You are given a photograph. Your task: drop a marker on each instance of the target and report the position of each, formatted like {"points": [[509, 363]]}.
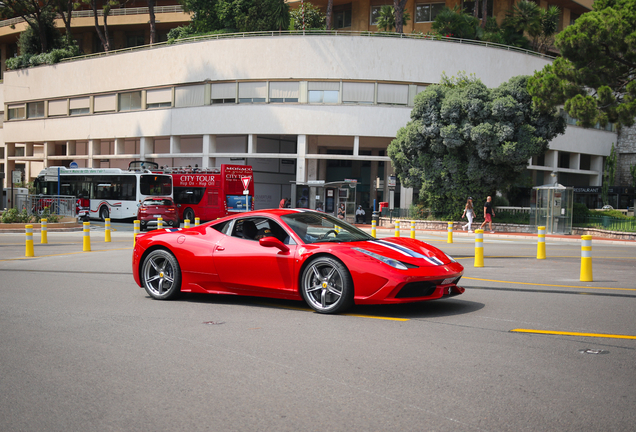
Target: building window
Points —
{"points": [[189, 96], [17, 112], [79, 106], [323, 92], [393, 94], [585, 162], [105, 103], [35, 109], [469, 7], [159, 98], [426, 12], [130, 101], [283, 91], [252, 92], [58, 107], [356, 92], [223, 93], [375, 14], [564, 160], [133, 40], [342, 16]]}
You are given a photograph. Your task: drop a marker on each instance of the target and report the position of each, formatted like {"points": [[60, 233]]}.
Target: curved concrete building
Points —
{"points": [[304, 111]]}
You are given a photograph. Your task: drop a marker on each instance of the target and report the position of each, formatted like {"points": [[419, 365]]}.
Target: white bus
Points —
{"points": [[113, 193]]}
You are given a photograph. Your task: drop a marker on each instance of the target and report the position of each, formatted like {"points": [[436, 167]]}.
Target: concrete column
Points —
{"points": [[94, 147], [373, 175], [175, 144], [71, 148], [146, 145], [301, 159], [120, 146], [356, 145], [209, 148], [251, 143], [49, 150]]}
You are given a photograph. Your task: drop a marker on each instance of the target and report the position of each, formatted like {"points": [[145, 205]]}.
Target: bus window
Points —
{"points": [[155, 185], [189, 195]]}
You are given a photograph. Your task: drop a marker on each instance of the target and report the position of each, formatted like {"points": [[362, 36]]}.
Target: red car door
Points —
{"points": [[244, 265]]}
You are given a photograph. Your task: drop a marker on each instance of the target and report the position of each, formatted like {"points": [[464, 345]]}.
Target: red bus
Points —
{"points": [[208, 193]]}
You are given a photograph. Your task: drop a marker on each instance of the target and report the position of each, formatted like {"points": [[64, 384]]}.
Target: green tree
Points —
{"points": [[236, 15], [595, 77], [609, 175], [314, 18], [387, 18], [632, 171], [465, 139], [456, 23], [540, 24], [29, 41], [35, 13]]}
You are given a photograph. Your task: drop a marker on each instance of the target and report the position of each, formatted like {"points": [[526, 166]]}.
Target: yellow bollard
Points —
{"points": [[541, 243], [373, 226], [397, 228], [135, 231], [197, 221], [336, 228], [586, 258], [87, 237], [107, 230], [186, 223], [44, 238], [412, 229], [479, 248], [159, 223], [450, 233], [29, 241]]}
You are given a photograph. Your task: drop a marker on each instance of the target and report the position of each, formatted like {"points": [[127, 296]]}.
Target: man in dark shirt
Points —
{"points": [[489, 213]]}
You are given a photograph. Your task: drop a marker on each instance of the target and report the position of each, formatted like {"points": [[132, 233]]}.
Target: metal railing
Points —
{"points": [[606, 223], [113, 12], [345, 33], [61, 205]]}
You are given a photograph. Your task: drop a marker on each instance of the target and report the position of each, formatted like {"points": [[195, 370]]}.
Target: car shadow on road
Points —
{"points": [[425, 309]]}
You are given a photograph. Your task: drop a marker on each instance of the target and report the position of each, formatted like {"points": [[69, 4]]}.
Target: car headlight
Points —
{"points": [[389, 261]]}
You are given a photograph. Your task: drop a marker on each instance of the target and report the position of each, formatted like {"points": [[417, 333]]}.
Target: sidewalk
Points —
{"points": [[386, 231]]}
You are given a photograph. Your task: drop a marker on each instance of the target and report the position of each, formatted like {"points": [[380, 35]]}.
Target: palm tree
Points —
{"points": [[329, 13], [386, 18], [281, 14]]}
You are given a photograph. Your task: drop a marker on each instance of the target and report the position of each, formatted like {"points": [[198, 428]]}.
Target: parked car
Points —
{"points": [[293, 254], [157, 207]]}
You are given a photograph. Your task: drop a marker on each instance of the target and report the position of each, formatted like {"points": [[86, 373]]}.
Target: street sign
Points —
{"points": [[73, 165], [246, 182], [16, 176]]}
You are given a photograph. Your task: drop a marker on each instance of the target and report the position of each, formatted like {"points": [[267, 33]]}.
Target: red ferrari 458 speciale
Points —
{"points": [[293, 254]]}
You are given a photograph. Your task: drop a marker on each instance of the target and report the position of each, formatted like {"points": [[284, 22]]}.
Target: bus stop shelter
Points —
{"points": [[326, 196]]}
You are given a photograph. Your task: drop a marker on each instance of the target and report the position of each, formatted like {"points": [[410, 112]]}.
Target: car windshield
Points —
{"points": [[313, 227], [165, 202]]}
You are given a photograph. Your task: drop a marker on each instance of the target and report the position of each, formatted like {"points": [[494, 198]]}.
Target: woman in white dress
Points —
{"points": [[469, 213]]}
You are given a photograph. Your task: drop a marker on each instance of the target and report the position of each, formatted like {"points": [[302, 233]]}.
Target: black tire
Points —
{"points": [[161, 275], [326, 285], [104, 213], [189, 214]]}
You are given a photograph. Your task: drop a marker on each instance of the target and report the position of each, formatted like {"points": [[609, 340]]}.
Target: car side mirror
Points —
{"points": [[273, 242]]}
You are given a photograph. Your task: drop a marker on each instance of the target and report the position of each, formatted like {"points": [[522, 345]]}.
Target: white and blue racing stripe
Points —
{"points": [[408, 252]]}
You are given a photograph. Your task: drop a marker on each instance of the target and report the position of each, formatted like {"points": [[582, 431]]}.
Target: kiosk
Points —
{"points": [[552, 206]]}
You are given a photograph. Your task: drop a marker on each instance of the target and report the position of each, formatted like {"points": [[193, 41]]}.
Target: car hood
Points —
{"points": [[406, 250]]}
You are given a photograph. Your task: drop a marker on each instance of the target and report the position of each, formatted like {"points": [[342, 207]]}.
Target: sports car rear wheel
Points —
{"points": [[326, 285], [161, 275]]}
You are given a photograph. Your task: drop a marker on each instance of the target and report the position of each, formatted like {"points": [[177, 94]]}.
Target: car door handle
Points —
{"points": [[220, 248]]}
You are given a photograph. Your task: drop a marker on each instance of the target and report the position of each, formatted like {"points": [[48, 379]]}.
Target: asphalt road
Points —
{"points": [[82, 348]]}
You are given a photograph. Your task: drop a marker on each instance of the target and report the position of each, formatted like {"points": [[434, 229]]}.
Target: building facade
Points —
{"points": [[311, 114]]}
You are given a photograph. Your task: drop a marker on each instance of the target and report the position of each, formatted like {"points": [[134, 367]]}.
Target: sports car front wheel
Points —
{"points": [[161, 275], [326, 285]]}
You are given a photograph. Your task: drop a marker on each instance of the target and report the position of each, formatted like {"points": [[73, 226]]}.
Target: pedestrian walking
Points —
{"points": [[469, 212], [489, 213]]}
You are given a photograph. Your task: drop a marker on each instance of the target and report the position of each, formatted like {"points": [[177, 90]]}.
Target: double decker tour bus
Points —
{"points": [[113, 193], [208, 193]]}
